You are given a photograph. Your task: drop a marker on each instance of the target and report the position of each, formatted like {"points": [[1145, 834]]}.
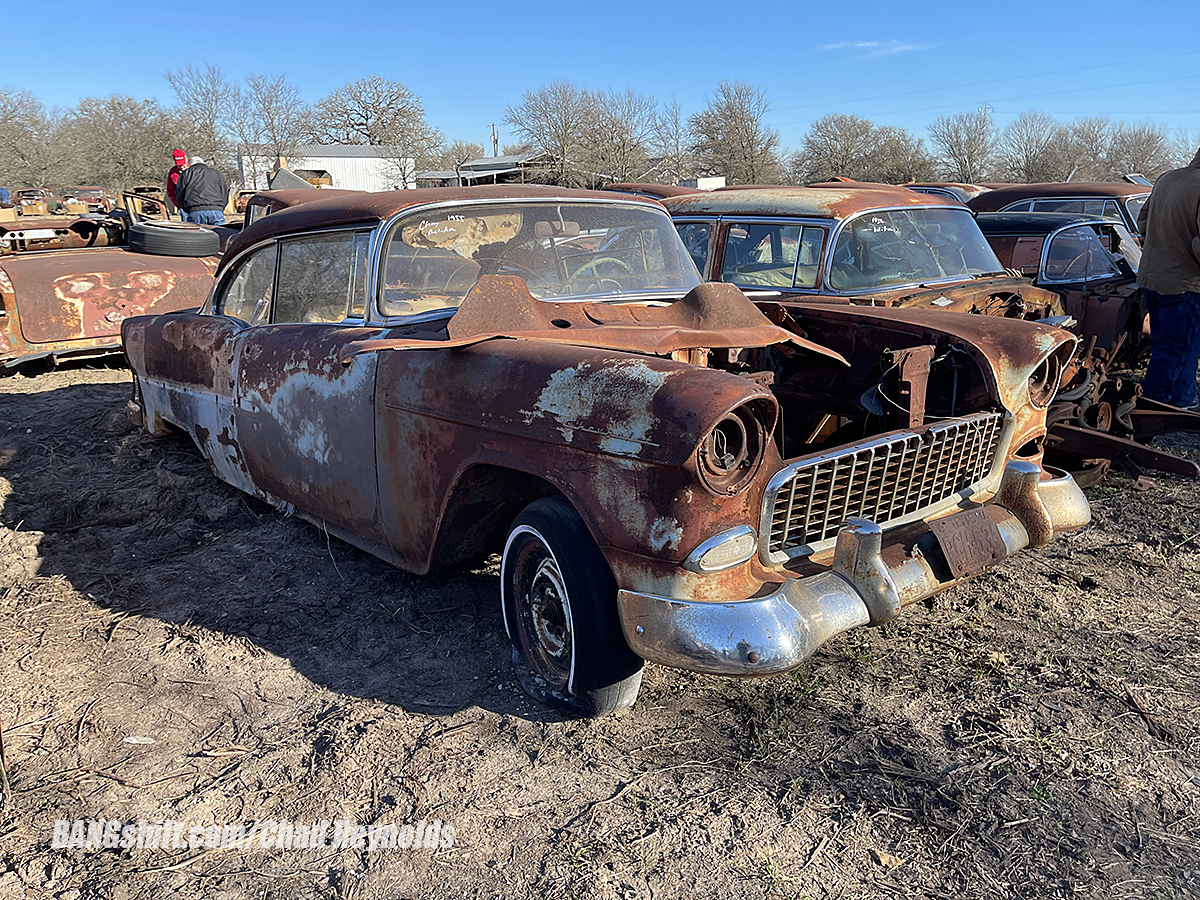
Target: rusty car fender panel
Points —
{"points": [[619, 429]]}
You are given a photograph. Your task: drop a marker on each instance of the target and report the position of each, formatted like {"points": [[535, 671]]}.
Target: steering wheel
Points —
{"points": [[1067, 273], [589, 268]]}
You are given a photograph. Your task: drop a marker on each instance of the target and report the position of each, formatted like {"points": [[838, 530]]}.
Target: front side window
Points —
{"points": [[247, 295], [887, 248], [1078, 254], [576, 251], [316, 277]]}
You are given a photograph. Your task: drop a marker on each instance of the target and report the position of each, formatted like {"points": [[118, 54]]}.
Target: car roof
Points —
{"points": [[354, 207], [1035, 222], [1010, 193], [838, 201], [655, 190]]}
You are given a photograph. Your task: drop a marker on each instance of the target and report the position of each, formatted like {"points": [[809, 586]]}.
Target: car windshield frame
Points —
{"points": [[1133, 208], [387, 311], [1115, 271], [846, 226]]}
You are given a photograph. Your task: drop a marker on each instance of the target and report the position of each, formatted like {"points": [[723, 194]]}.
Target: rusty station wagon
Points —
{"points": [[667, 472]]}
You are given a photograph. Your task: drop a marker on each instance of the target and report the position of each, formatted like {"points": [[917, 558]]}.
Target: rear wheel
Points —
{"points": [[559, 601]]}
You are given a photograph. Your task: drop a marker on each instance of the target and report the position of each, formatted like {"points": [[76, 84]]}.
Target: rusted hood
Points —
{"points": [[984, 295], [710, 315]]}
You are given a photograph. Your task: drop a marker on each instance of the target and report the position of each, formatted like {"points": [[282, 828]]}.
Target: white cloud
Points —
{"points": [[877, 48]]}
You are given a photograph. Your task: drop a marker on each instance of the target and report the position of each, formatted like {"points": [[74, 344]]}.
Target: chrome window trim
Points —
{"points": [[1043, 279], [376, 316], [858, 292]]}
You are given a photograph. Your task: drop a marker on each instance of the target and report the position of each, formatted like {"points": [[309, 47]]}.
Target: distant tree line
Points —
{"points": [[579, 137]]}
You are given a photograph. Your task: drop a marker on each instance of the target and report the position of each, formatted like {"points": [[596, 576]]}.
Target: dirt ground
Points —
{"points": [[172, 650]]}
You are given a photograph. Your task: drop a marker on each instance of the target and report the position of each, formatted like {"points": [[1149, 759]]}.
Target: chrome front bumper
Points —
{"points": [[777, 632]]}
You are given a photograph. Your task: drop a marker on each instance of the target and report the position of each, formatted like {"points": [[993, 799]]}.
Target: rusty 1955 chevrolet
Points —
{"points": [[667, 473]]}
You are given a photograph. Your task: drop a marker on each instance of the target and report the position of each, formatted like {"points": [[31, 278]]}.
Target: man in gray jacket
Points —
{"points": [[1169, 275], [202, 193]]}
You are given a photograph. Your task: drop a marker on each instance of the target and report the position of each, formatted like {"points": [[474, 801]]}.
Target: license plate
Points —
{"points": [[970, 540]]}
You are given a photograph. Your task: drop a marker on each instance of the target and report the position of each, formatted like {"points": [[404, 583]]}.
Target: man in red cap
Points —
{"points": [[181, 163]]}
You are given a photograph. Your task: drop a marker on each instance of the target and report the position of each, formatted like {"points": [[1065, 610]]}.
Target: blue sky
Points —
{"points": [[894, 63]]}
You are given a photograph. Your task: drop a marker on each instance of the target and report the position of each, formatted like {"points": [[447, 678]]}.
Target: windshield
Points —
{"points": [[1134, 204], [561, 250], [1081, 253], [909, 246]]}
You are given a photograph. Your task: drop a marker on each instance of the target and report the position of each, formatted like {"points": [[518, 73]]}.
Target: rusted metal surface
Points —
{"points": [[1002, 195], [59, 303], [711, 315], [838, 201], [649, 190], [31, 233], [662, 424]]}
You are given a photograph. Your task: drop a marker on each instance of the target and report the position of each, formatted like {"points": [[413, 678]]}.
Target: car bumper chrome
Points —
{"points": [[778, 631]]}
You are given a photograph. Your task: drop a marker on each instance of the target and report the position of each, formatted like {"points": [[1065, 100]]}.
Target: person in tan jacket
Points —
{"points": [[1169, 275]]}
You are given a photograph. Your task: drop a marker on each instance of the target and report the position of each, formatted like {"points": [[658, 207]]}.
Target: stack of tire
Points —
{"points": [[173, 239]]}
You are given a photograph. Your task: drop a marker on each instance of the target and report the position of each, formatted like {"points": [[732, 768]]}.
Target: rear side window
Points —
{"points": [[768, 255], [247, 296], [316, 278]]}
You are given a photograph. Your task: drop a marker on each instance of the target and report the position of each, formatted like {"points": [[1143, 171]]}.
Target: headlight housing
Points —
{"points": [[731, 453]]}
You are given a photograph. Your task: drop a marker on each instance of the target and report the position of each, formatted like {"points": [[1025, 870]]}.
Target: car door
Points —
{"points": [[306, 421]]}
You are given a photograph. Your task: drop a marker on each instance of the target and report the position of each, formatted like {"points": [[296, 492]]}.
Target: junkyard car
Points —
{"points": [[1091, 262], [876, 245], [58, 303], [668, 472], [1116, 200]]}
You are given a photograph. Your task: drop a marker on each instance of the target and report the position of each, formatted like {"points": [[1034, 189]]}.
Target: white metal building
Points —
{"points": [[349, 166]]}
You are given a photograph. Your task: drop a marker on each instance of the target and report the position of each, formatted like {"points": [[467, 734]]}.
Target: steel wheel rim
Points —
{"points": [[543, 614]]}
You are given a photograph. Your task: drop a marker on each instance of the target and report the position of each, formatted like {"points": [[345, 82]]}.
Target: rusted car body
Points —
{"points": [[808, 231], [31, 233], [1115, 200], [652, 191], [71, 303], [1091, 262], [668, 471], [955, 190]]}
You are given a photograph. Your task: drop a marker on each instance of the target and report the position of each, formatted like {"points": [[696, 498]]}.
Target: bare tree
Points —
{"points": [[1184, 146], [279, 114], [118, 141], [1138, 148], [900, 157], [30, 153], [556, 120], [205, 95], [730, 138], [857, 148], [621, 129], [967, 144], [835, 145], [379, 112], [1088, 148], [671, 143], [456, 153], [1032, 149]]}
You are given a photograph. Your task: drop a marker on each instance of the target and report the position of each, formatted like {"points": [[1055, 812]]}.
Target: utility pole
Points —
{"points": [[495, 141]]}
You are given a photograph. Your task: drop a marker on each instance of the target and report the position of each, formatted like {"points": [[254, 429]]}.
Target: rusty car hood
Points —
{"points": [[499, 306], [978, 295]]}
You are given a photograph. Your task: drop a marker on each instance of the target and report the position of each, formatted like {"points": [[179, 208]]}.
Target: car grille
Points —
{"points": [[886, 480]]}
